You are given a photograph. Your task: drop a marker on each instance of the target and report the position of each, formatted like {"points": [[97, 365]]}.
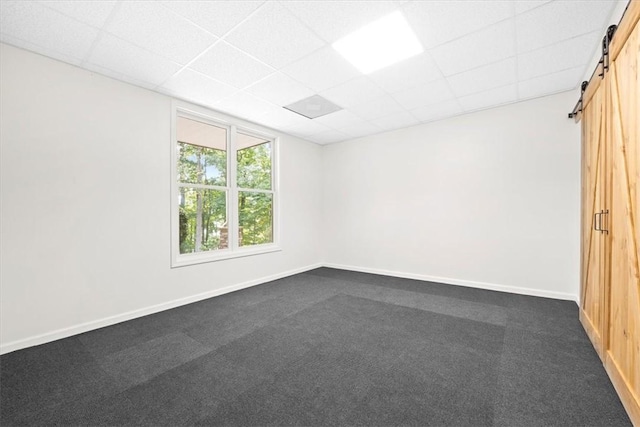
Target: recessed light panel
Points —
{"points": [[313, 106], [380, 44]]}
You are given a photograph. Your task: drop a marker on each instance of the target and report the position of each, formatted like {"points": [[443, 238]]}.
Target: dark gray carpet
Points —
{"points": [[327, 347]]}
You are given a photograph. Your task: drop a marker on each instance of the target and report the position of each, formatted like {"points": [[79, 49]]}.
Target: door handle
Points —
{"points": [[605, 212], [595, 221]]}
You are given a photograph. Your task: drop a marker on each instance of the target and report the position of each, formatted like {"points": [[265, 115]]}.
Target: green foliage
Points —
{"points": [[256, 217], [255, 210], [203, 212], [213, 216], [254, 167], [184, 230], [201, 165]]}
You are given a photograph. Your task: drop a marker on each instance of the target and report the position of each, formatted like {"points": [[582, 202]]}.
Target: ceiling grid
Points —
{"points": [[251, 58]]}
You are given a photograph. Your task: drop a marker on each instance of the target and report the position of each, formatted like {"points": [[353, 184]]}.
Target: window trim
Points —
{"points": [[193, 112]]}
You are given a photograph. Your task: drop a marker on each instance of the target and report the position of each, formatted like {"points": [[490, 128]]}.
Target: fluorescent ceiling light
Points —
{"points": [[380, 43]]}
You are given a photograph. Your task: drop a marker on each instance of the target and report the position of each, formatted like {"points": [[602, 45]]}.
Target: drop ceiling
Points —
{"points": [[250, 58]]}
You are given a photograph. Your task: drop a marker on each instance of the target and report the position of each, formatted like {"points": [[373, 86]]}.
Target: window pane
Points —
{"points": [[256, 218], [203, 220], [202, 153], [254, 162]]}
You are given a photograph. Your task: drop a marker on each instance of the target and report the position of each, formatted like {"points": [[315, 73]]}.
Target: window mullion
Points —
{"points": [[233, 190], [255, 190], [175, 191], [275, 202], [203, 186]]}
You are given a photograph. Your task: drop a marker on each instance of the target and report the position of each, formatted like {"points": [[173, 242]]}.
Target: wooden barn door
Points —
{"points": [[623, 346], [593, 289]]}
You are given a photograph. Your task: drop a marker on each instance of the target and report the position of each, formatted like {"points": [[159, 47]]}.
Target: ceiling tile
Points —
{"points": [[437, 111], [119, 76], [305, 130], [47, 29], [339, 119], [157, 29], [244, 105], [322, 69], [489, 98], [401, 119], [280, 89], [4, 38], [280, 118], [522, 6], [333, 20], [229, 65], [550, 83], [484, 78], [196, 87], [560, 56], [217, 17], [427, 94], [104, 71], [359, 129], [378, 107], [484, 47], [353, 92], [274, 36], [130, 60], [277, 52], [411, 72], [559, 20], [94, 13], [437, 22], [329, 137]]}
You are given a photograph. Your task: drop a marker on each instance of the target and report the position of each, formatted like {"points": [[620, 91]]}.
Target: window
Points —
{"points": [[224, 195]]}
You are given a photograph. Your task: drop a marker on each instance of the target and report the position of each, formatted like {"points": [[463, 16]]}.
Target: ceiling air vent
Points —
{"points": [[313, 107]]}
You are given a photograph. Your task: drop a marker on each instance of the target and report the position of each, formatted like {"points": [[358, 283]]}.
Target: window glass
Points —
{"points": [[202, 153], [254, 162], [256, 218], [202, 220]]}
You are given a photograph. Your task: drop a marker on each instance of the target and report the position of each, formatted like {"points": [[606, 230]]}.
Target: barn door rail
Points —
{"points": [[578, 108], [604, 61]]}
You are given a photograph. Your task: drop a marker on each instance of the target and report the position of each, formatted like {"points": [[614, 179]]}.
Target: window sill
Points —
{"points": [[200, 258]]}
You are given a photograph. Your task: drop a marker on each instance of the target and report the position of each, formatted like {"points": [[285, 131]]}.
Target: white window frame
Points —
{"points": [[234, 250]]}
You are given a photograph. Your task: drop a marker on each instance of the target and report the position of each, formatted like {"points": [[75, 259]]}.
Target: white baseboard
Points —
{"points": [[112, 320], [459, 282]]}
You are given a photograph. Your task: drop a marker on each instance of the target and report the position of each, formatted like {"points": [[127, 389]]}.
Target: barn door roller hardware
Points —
{"points": [[604, 60], [606, 41], [578, 108]]}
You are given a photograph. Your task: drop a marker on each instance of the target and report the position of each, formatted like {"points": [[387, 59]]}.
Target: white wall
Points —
{"points": [[85, 216], [488, 199]]}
